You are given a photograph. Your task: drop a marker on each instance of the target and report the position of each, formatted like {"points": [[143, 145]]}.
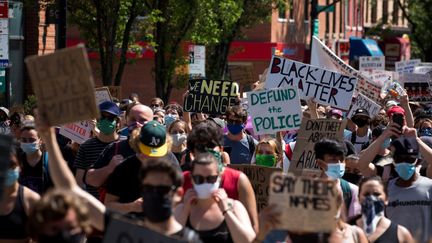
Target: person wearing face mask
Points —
{"points": [[424, 127], [15, 205], [207, 209], [177, 131], [268, 153], [89, 151], [330, 157], [242, 145], [362, 134], [115, 153], [160, 189], [410, 194], [34, 162], [379, 229], [173, 112]]}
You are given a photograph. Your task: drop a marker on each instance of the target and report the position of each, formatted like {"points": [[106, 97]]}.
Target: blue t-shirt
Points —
{"points": [[240, 152]]}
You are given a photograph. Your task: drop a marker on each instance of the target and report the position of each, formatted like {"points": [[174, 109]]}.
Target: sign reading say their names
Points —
{"points": [[275, 110], [364, 102], [327, 87], [311, 131], [211, 96], [306, 204], [370, 63], [121, 230], [78, 131], [63, 84], [259, 177]]}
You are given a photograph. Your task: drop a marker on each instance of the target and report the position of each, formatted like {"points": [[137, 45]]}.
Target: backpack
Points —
{"points": [[346, 192], [251, 144]]}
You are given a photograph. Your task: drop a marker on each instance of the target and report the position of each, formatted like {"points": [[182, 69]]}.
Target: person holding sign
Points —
{"points": [[330, 157], [207, 209]]}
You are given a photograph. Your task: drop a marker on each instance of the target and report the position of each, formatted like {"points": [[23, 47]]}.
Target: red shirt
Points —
{"points": [[229, 182]]}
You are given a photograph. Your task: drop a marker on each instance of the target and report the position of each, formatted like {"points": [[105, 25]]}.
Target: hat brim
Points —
{"points": [[360, 115], [153, 151]]}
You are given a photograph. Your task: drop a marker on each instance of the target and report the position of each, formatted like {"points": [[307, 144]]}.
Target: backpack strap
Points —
{"points": [[251, 144], [346, 192], [353, 137]]}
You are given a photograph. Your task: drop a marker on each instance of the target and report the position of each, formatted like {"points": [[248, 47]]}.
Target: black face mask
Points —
{"points": [[353, 178], [156, 206], [62, 237]]}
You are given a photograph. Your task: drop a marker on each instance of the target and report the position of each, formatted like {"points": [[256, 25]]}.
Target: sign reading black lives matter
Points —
{"points": [[123, 231], [259, 177], [275, 110], [311, 131], [210, 96], [327, 87], [306, 204], [63, 84]]}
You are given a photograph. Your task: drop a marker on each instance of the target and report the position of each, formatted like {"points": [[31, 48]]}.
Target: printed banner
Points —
{"points": [[274, 110], [210, 96], [311, 131], [323, 57], [78, 131], [259, 177], [418, 86], [306, 204], [406, 66], [63, 84], [327, 87], [363, 102], [370, 63]]}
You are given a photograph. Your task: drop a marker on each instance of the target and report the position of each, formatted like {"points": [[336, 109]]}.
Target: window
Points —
{"points": [[374, 11], [395, 19], [367, 11], [282, 7]]}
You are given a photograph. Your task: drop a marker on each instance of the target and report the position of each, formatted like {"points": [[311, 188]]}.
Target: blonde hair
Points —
{"points": [[274, 144]]}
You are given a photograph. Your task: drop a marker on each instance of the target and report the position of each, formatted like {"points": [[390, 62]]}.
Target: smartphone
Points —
{"points": [[398, 118]]}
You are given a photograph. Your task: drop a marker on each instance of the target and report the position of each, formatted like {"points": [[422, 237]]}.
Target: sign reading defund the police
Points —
{"points": [[305, 204], [210, 96], [327, 87], [275, 110], [311, 131]]}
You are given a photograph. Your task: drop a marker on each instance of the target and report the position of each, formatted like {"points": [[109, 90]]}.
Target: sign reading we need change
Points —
{"points": [[327, 87], [210, 96], [306, 204], [275, 110], [311, 131]]}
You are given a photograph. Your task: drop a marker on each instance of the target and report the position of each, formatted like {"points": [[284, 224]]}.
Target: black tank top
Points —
{"points": [[390, 235], [13, 225], [217, 235]]}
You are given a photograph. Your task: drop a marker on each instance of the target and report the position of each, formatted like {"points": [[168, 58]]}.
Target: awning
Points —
{"points": [[363, 47]]}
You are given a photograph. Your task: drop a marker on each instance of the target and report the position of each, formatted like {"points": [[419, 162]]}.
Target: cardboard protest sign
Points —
{"points": [[364, 102], [423, 68], [78, 131], [322, 56], [406, 66], [102, 94], [121, 230], [311, 131], [380, 77], [275, 110], [327, 87], [259, 177], [418, 86], [306, 204], [210, 96], [370, 63], [63, 85], [5, 153]]}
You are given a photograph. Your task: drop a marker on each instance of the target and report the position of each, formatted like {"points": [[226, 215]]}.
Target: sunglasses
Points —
{"points": [[28, 140], [202, 179], [157, 189]]}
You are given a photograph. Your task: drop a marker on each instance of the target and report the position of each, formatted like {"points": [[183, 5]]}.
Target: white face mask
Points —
{"points": [[205, 190], [178, 139]]}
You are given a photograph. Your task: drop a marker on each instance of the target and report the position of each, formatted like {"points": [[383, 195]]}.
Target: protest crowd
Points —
{"points": [[311, 154]]}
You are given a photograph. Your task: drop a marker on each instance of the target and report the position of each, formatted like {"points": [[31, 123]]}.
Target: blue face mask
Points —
{"points": [[405, 170], [235, 129], [425, 132], [386, 143], [29, 148], [12, 176], [335, 170], [169, 119]]}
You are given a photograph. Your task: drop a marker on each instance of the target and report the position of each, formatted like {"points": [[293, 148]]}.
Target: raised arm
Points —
{"points": [[404, 102]]}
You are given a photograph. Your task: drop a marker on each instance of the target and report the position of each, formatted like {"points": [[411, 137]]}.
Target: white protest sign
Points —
{"points": [[78, 131], [417, 86], [275, 110], [406, 66], [102, 94], [306, 204], [322, 56], [423, 68], [197, 61], [327, 87], [380, 77], [364, 102], [370, 63]]}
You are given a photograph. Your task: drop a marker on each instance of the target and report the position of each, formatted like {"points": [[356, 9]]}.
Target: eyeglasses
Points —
{"points": [[28, 140], [198, 179], [157, 189]]}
